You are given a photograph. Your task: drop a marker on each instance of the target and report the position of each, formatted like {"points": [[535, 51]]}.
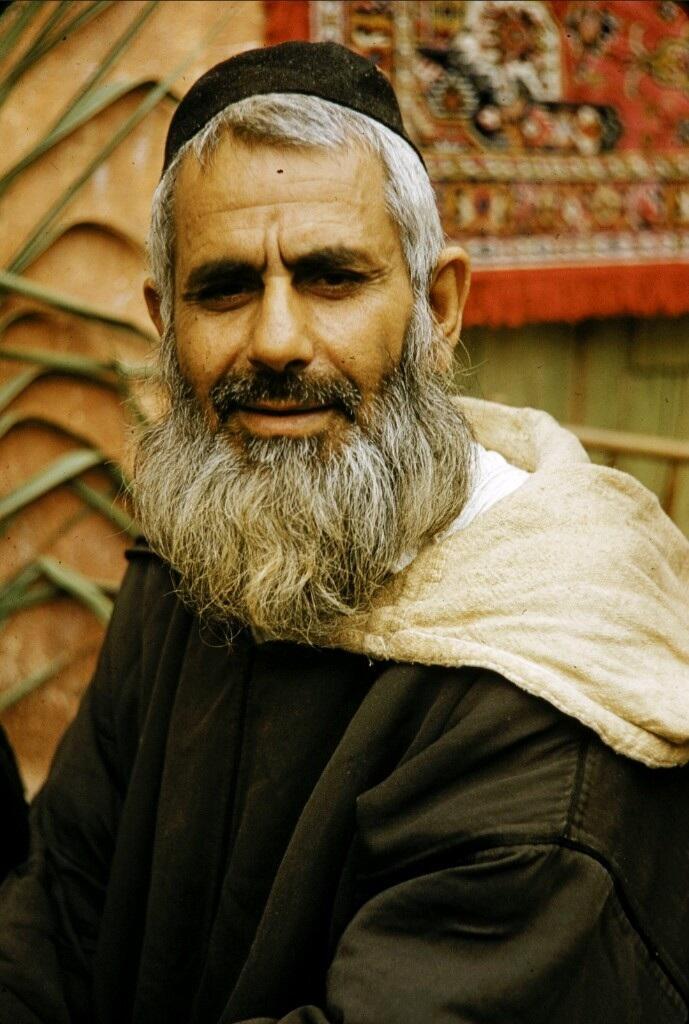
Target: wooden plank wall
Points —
{"points": [[620, 374]]}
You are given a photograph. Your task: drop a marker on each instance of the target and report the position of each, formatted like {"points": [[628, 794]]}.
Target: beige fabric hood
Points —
{"points": [[575, 587]]}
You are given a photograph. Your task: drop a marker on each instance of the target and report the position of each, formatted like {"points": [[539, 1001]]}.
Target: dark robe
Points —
{"points": [[277, 832], [14, 817]]}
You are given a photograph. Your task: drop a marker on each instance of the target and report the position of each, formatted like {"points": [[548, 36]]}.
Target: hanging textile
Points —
{"points": [[556, 135]]}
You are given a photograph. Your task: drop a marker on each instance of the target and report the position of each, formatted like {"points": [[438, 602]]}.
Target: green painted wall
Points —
{"points": [[621, 374]]}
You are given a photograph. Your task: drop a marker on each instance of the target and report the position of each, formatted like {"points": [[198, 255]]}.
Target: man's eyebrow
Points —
{"points": [[214, 271], [334, 257], [327, 258]]}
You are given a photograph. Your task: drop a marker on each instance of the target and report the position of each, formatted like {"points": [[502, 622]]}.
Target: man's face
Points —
{"points": [[319, 445], [287, 262]]}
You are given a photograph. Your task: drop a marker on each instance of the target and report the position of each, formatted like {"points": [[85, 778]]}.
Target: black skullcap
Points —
{"points": [[327, 70]]}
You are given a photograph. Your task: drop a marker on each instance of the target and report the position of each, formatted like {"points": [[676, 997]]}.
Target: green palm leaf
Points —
{"points": [[89, 100], [64, 362], [52, 32], [78, 586], [33, 681], [112, 374], [16, 316], [19, 419], [110, 58], [22, 593], [31, 598], [91, 105], [106, 506], [97, 370], [43, 34], [13, 592], [44, 232], [14, 387], [58, 300], [62, 469], [23, 16]]}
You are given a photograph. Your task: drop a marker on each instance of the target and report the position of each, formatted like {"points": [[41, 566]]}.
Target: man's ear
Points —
{"points": [[448, 292], [153, 302]]}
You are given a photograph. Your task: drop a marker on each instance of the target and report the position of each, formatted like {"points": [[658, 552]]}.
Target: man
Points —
{"points": [[390, 719]]}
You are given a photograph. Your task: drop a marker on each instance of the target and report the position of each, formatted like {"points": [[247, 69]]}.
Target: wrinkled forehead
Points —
{"points": [[246, 187]]}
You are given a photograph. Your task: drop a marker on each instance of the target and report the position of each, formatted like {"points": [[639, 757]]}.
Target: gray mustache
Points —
{"points": [[234, 391]]}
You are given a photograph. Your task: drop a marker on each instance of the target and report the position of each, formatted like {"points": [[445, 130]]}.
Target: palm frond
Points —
{"points": [[78, 586], [13, 592], [12, 282], [44, 232], [22, 592], [88, 101], [96, 370], [106, 506], [15, 316], [93, 104], [58, 472], [31, 598], [33, 681], [22, 419], [108, 60], [53, 31], [19, 20], [14, 387]]}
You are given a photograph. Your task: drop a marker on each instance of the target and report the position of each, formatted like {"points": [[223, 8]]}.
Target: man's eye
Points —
{"points": [[336, 280], [222, 293], [225, 294]]}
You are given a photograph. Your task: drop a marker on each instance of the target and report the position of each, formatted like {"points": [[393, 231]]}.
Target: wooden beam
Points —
{"points": [[627, 443]]}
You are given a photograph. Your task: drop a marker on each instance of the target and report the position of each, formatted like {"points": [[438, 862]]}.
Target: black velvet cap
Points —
{"points": [[327, 70]]}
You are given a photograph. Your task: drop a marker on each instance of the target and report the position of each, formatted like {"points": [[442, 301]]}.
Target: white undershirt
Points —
{"points": [[494, 479]]}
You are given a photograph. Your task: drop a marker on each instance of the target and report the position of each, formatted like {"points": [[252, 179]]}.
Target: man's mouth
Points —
{"points": [[271, 405], [283, 419], [279, 409]]}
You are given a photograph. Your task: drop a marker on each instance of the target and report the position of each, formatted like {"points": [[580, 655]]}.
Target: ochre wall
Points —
{"points": [[99, 259]]}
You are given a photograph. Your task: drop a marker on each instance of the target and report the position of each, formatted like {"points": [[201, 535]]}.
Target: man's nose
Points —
{"points": [[280, 338]]}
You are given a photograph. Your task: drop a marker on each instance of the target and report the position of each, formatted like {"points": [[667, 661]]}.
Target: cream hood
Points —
{"points": [[575, 587]]}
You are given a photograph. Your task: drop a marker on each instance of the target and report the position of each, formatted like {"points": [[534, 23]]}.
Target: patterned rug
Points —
{"points": [[556, 134]]}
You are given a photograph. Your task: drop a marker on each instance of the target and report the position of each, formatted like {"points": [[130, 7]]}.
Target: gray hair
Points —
{"points": [[308, 121]]}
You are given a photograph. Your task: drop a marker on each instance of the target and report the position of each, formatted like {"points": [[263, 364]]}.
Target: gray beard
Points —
{"points": [[290, 535]]}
